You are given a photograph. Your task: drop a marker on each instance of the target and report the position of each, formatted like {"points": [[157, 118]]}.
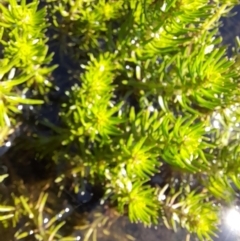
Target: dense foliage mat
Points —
{"points": [[131, 103]]}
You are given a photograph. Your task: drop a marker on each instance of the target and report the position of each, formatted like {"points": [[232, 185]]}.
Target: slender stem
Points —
{"points": [[214, 18]]}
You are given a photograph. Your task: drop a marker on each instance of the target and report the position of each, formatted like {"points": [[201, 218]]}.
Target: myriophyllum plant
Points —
{"points": [[153, 117], [24, 59]]}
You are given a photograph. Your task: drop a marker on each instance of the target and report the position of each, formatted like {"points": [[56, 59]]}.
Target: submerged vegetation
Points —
{"points": [[129, 105]]}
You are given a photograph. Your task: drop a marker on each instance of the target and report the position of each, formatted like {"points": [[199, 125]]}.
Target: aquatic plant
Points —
{"points": [[150, 110]]}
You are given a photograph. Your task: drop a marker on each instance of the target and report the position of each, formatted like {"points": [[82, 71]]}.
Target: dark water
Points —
{"points": [[231, 27]]}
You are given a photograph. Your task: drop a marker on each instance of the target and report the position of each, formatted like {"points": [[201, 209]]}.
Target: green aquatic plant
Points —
{"points": [[24, 41], [150, 114], [23, 60]]}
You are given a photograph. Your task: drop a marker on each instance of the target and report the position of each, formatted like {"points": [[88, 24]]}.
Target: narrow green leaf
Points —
{"points": [[26, 206], [55, 230], [8, 216], [6, 208], [2, 177]]}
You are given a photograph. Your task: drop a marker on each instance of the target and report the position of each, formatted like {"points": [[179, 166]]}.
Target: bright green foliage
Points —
{"points": [[10, 100], [24, 41], [155, 79], [91, 110], [157, 97], [192, 211], [24, 59], [167, 58]]}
